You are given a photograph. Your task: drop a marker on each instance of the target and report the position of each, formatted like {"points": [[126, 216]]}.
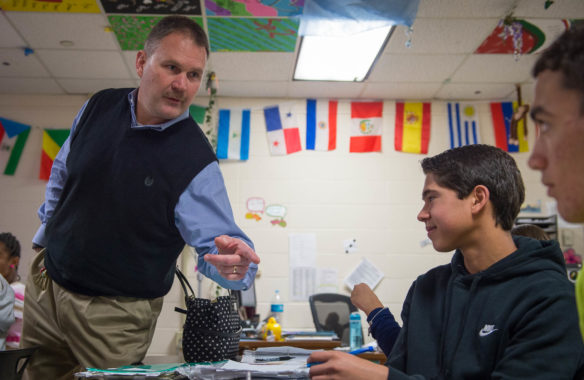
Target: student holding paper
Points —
{"points": [[503, 308]]}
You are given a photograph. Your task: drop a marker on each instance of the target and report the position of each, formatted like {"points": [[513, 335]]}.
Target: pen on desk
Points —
{"points": [[273, 359], [354, 352]]}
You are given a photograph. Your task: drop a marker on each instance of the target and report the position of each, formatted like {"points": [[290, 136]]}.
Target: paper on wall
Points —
{"points": [[327, 280], [302, 251], [365, 272]]}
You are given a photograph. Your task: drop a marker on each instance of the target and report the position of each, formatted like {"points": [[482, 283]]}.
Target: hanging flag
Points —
{"points": [[13, 136], [412, 127], [321, 124], [463, 124], [283, 131], [53, 140], [198, 113], [233, 134], [366, 127], [502, 114]]}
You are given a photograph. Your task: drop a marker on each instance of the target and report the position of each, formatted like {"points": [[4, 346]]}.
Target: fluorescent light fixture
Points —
{"points": [[346, 58]]}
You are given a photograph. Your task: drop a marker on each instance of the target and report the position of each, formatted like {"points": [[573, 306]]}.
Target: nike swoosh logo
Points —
{"points": [[486, 332]]}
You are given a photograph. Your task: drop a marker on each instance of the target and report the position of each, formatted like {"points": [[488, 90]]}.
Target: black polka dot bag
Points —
{"points": [[212, 327]]}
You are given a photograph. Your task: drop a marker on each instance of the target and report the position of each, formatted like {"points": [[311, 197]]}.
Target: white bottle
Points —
{"points": [[277, 307]]}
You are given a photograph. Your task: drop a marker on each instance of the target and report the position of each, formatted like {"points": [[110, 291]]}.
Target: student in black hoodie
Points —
{"points": [[503, 308]]}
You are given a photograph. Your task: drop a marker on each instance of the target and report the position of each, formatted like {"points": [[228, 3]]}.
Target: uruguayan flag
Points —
{"points": [[463, 123]]}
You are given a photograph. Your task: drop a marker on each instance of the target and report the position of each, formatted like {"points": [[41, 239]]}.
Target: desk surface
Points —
{"points": [[309, 344]]}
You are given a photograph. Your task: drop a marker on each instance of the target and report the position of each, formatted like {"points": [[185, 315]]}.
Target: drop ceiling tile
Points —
{"points": [[14, 63], [442, 36], [495, 68], [10, 37], [465, 8], [314, 89], [29, 86], [401, 91], [84, 64], [569, 9], [86, 31], [90, 86], [251, 89], [252, 66], [475, 91], [415, 68]]}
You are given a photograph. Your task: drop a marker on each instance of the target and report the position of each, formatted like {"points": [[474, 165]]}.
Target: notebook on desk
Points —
{"points": [[310, 335]]}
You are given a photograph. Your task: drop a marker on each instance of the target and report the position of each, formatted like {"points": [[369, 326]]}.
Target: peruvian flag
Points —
{"points": [[366, 127]]}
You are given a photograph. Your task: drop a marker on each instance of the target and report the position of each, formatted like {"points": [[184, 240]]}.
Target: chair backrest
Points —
{"points": [[13, 362], [331, 312]]}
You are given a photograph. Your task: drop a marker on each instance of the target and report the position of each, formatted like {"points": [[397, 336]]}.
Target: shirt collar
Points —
{"points": [[157, 127]]}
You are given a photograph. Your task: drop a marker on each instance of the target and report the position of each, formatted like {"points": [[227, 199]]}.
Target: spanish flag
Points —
{"points": [[53, 140], [412, 127]]}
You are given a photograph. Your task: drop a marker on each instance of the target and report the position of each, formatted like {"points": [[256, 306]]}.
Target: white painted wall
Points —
{"points": [[373, 197]]}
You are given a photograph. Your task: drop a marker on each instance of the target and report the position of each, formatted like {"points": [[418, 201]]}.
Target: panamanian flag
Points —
{"points": [[283, 130], [233, 134], [13, 137]]}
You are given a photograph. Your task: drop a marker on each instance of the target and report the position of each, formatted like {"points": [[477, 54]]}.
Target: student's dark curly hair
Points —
{"points": [[462, 169], [11, 243], [566, 55]]}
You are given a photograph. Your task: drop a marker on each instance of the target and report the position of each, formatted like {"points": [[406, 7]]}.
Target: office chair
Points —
{"points": [[330, 312], [13, 362]]}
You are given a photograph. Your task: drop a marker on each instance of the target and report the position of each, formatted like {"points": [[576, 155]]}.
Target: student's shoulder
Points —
{"points": [[435, 275]]}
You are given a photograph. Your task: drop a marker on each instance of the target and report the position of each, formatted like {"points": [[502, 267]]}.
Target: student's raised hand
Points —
{"points": [[364, 299], [233, 258], [341, 365]]}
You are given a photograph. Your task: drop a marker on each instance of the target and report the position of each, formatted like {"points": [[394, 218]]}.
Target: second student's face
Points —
{"points": [[448, 219], [559, 149]]}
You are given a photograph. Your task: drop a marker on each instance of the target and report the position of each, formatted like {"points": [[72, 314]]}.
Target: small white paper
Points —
{"points": [[366, 273], [302, 250], [327, 280]]}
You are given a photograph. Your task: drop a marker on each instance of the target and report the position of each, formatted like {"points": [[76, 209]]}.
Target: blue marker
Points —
{"points": [[354, 352]]}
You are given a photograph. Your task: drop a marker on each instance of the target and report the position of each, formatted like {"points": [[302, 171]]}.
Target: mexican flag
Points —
{"points": [[13, 136]]}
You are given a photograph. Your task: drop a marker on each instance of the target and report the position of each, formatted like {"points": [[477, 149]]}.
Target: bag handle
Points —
{"points": [[184, 283]]}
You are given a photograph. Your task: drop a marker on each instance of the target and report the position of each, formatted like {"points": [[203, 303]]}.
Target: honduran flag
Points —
{"points": [[412, 127], [53, 140], [233, 134], [282, 128], [321, 124], [366, 127], [502, 114], [13, 137], [463, 124]]}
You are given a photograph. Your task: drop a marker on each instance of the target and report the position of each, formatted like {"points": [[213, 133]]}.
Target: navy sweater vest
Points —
{"points": [[113, 231]]}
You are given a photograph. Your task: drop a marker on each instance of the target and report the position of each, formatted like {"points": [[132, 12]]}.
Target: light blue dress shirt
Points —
{"points": [[202, 212]]}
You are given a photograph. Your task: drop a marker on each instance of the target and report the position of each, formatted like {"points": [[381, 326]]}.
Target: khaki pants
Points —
{"points": [[75, 331]]}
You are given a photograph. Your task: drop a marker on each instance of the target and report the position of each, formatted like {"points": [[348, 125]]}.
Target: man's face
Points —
{"points": [[448, 219], [170, 78], [559, 149]]}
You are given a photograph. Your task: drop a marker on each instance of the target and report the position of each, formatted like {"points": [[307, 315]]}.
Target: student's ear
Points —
{"points": [[480, 197]]}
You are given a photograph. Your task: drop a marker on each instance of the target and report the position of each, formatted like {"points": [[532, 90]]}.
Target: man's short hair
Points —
{"points": [[11, 243], [462, 169], [172, 24], [566, 55]]}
